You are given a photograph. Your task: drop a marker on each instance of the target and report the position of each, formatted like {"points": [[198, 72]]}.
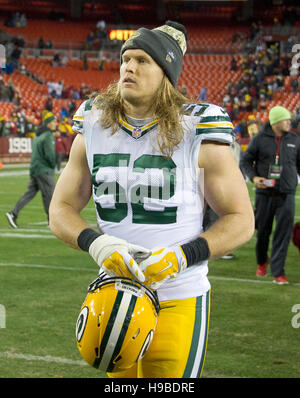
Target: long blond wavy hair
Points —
{"points": [[167, 107]]}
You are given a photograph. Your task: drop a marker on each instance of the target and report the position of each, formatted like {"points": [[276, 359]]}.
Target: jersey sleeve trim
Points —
{"points": [[77, 126], [215, 124], [215, 130], [78, 117]]}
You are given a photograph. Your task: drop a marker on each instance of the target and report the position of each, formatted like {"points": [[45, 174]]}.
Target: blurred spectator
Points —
{"points": [[71, 108], [203, 94], [85, 65], [296, 121], [41, 43], [15, 56], [49, 104], [295, 85], [65, 127], [30, 127], [48, 44], [60, 149], [4, 92], [89, 41], [17, 20], [67, 92], [100, 34], [84, 91], [13, 128], [56, 60], [2, 126], [101, 24], [22, 21], [101, 64], [20, 120], [63, 113], [279, 82], [23, 69], [55, 89], [285, 64], [76, 94], [64, 60], [233, 64], [19, 41], [252, 126], [262, 103]]}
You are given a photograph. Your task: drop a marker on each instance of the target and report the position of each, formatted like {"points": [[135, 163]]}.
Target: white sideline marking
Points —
{"points": [[32, 236], [210, 277], [48, 267], [25, 230], [224, 278], [228, 279], [66, 361], [47, 358], [14, 173]]}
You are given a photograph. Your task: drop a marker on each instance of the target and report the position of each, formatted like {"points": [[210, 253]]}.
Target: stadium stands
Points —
{"points": [[206, 64], [209, 71]]}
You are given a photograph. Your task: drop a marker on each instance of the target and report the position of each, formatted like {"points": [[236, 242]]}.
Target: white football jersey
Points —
{"points": [[145, 198]]}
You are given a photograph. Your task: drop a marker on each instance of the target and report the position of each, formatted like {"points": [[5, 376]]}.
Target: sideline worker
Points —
{"points": [[271, 162], [42, 167]]}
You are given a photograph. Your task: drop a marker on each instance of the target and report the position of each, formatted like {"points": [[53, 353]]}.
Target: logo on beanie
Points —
{"points": [[129, 41], [170, 56]]}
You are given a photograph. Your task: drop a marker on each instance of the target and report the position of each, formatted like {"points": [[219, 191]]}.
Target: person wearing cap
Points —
{"points": [[148, 155], [42, 167], [272, 162]]}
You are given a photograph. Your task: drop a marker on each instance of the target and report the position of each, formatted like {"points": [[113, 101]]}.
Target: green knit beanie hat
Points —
{"points": [[278, 113], [47, 118], [165, 44]]}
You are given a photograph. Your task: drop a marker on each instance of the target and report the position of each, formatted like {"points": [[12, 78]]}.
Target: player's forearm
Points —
{"points": [[228, 233], [66, 224]]}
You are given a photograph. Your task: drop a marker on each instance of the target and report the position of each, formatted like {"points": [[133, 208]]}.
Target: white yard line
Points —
{"points": [[210, 277], [47, 358], [13, 173], [67, 361], [31, 236], [18, 265]]}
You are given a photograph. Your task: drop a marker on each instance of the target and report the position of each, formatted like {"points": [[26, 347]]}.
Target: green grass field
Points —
{"points": [[43, 284]]}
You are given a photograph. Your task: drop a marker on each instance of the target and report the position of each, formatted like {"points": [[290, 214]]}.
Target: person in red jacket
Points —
{"points": [[60, 149]]}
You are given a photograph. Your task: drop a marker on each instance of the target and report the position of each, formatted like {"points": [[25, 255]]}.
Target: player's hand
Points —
{"points": [[117, 257], [163, 264]]}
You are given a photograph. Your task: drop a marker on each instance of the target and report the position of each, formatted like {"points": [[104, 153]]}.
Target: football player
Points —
{"points": [[151, 160]]}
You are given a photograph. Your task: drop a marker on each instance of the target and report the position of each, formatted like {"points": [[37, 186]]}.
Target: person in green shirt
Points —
{"points": [[42, 167]]}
